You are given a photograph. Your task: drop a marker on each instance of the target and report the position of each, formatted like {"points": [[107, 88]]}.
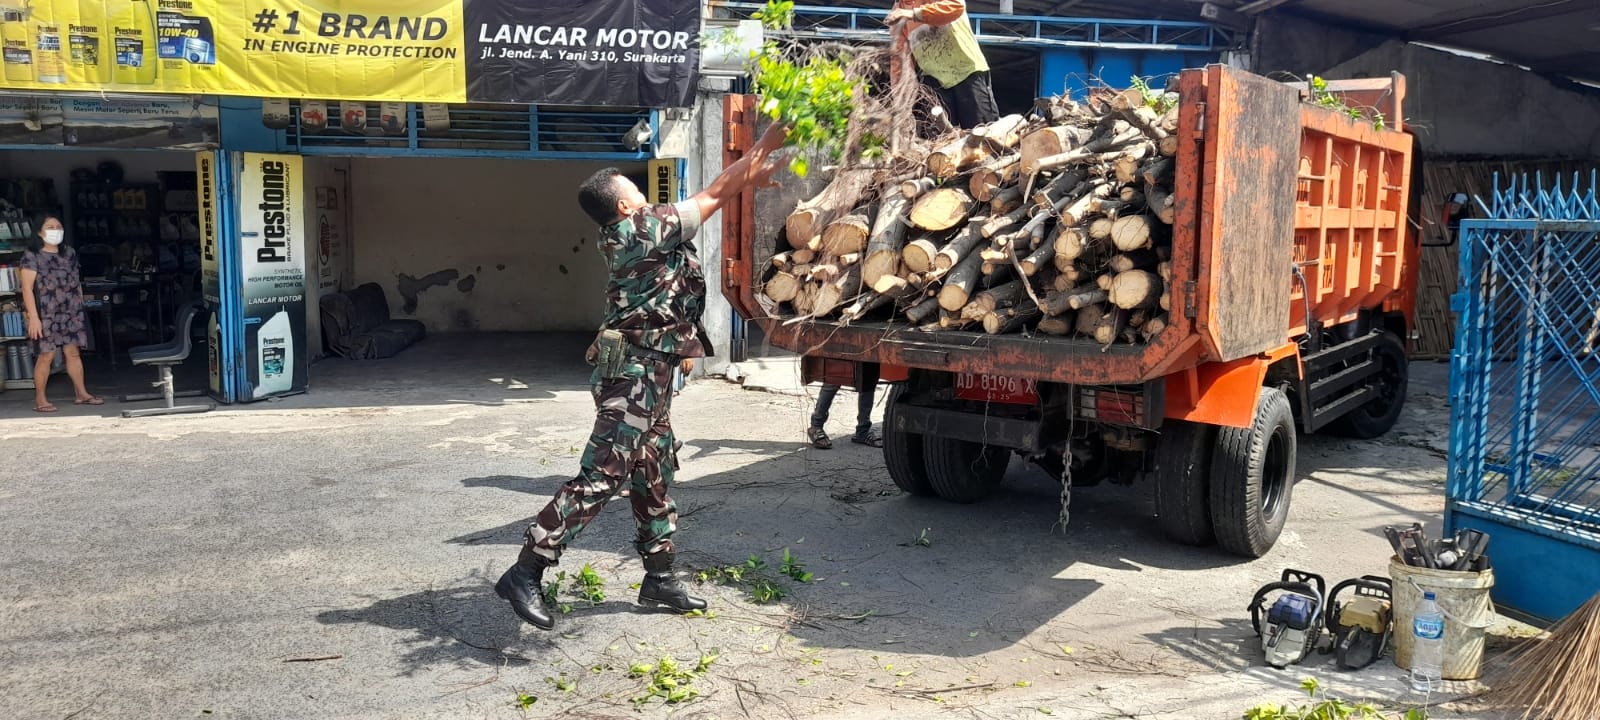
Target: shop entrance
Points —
{"points": [[445, 245], [423, 257], [131, 217]]}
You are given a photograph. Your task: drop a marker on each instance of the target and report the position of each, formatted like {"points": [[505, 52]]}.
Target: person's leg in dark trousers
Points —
{"points": [[819, 417], [867, 382], [971, 101]]}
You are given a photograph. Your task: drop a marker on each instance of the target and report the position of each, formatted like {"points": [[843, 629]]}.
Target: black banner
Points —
{"points": [[638, 53]]}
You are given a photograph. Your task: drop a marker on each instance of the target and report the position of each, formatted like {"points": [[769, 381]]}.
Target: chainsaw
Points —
{"points": [[1293, 621], [1361, 627]]}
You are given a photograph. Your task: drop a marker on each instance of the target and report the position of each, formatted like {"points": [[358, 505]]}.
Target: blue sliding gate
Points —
{"points": [[1525, 394]]}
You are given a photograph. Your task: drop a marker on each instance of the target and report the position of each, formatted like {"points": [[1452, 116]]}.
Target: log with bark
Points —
{"points": [[1077, 298], [846, 235], [1010, 319], [959, 284], [957, 157], [941, 209], [887, 240], [994, 177], [1136, 289], [1056, 223]]}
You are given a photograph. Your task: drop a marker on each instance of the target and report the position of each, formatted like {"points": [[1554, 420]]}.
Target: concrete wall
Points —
{"points": [[479, 245], [1461, 106], [705, 163], [1292, 45], [327, 233]]}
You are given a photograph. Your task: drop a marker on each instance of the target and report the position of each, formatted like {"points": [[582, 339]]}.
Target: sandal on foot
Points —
{"points": [[45, 408], [873, 438], [819, 439], [91, 400]]}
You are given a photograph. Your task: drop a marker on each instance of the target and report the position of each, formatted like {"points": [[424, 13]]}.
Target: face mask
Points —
{"points": [[54, 237]]}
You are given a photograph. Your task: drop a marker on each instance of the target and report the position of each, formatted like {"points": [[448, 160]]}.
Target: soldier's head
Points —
{"points": [[608, 196]]}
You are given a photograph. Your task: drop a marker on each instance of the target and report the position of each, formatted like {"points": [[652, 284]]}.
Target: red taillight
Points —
{"points": [[1111, 406]]}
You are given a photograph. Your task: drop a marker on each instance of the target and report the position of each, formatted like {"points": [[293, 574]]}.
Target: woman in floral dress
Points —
{"points": [[52, 293]]}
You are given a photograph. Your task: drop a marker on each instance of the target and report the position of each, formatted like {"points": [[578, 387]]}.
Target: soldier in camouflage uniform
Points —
{"points": [[654, 299]]}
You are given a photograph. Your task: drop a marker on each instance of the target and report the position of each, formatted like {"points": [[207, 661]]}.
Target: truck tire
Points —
{"points": [[1252, 477], [1183, 488], [902, 451], [962, 471], [1380, 414]]}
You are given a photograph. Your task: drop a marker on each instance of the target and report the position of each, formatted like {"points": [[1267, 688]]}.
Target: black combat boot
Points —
{"points": [[662, 589], [523, 587]]}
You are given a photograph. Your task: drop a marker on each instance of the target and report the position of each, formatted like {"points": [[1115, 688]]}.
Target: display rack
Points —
{"points": [[22, 201]]}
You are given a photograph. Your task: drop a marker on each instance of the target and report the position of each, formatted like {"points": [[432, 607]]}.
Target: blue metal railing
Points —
{"points": [[1525, 392], [1015, 30], [500, 131]]}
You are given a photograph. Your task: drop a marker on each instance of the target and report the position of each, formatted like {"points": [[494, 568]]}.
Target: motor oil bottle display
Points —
{"points": [[133, 34], [186, 46], [49, 63], [88, 59], [275, 356], [18, 51]]}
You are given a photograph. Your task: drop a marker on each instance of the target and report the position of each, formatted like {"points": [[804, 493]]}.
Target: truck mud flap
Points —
{"points": [[990, 430]]}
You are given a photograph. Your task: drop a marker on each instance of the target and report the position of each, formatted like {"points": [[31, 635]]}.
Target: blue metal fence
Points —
{"points": [[1525, 393]]}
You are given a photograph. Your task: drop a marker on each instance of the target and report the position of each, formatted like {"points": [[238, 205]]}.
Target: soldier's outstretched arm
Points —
{"points": [[754, 170]]}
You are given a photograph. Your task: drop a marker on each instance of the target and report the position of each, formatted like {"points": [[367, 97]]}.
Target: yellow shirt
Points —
{"points": [[948, 51]]}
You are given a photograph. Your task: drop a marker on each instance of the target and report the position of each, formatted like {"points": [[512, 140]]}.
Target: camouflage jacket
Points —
{"points": [[657, 293]]}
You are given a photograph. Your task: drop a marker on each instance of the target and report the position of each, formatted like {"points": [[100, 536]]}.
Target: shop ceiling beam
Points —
{"points": [[1514, 15], [1261, 6], [1039, 31]]}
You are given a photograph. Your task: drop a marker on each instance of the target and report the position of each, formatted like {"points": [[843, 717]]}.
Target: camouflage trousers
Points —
{"points": [[632, 443]]}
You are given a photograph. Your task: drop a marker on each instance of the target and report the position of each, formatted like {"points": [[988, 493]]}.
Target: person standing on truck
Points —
{"points": [[939, 36], [654, 302]]}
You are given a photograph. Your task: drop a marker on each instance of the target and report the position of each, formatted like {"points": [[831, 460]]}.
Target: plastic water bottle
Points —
{"points": [[1427, 646]]}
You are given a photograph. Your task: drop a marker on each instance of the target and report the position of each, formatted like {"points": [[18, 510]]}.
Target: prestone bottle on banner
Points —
{"points": [[88, 49], [275, 353], [18, 50], [133, 31], [49, 65]]}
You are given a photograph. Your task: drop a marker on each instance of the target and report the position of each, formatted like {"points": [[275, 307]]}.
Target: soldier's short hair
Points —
{"points": [[598, 196]]}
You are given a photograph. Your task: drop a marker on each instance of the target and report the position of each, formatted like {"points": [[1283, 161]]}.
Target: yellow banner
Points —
{"points": [[346, 49]]}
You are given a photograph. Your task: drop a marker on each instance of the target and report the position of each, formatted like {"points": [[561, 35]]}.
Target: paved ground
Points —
{"points": [[331, 556]]}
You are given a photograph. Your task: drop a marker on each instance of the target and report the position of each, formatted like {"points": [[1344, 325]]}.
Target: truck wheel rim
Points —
{"points": [[1388, 388], [1274, 474]]}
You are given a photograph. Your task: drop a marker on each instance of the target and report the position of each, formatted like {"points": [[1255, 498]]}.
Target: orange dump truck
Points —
{"points": [[1294, 274]]}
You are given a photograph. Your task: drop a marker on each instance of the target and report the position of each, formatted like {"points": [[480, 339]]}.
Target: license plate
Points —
{"points": [[996, 388]]}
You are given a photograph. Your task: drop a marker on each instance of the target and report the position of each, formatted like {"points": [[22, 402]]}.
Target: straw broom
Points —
{"points": [[1557, 677]]}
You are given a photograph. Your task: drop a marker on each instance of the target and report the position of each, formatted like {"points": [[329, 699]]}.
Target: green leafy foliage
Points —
{"points": [[1158, 100], [751, 575], [806, 91], [667, 681], [587, 585], [791, 566], [524, 701], [1322, 97], [1326, 707], [562, 683], [590, 586]]}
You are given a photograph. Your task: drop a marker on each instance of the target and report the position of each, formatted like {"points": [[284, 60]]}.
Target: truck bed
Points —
{"points": [[1266, 186]]}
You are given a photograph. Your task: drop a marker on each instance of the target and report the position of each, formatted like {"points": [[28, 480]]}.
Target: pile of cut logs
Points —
{"points": [[1057, 223]]}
